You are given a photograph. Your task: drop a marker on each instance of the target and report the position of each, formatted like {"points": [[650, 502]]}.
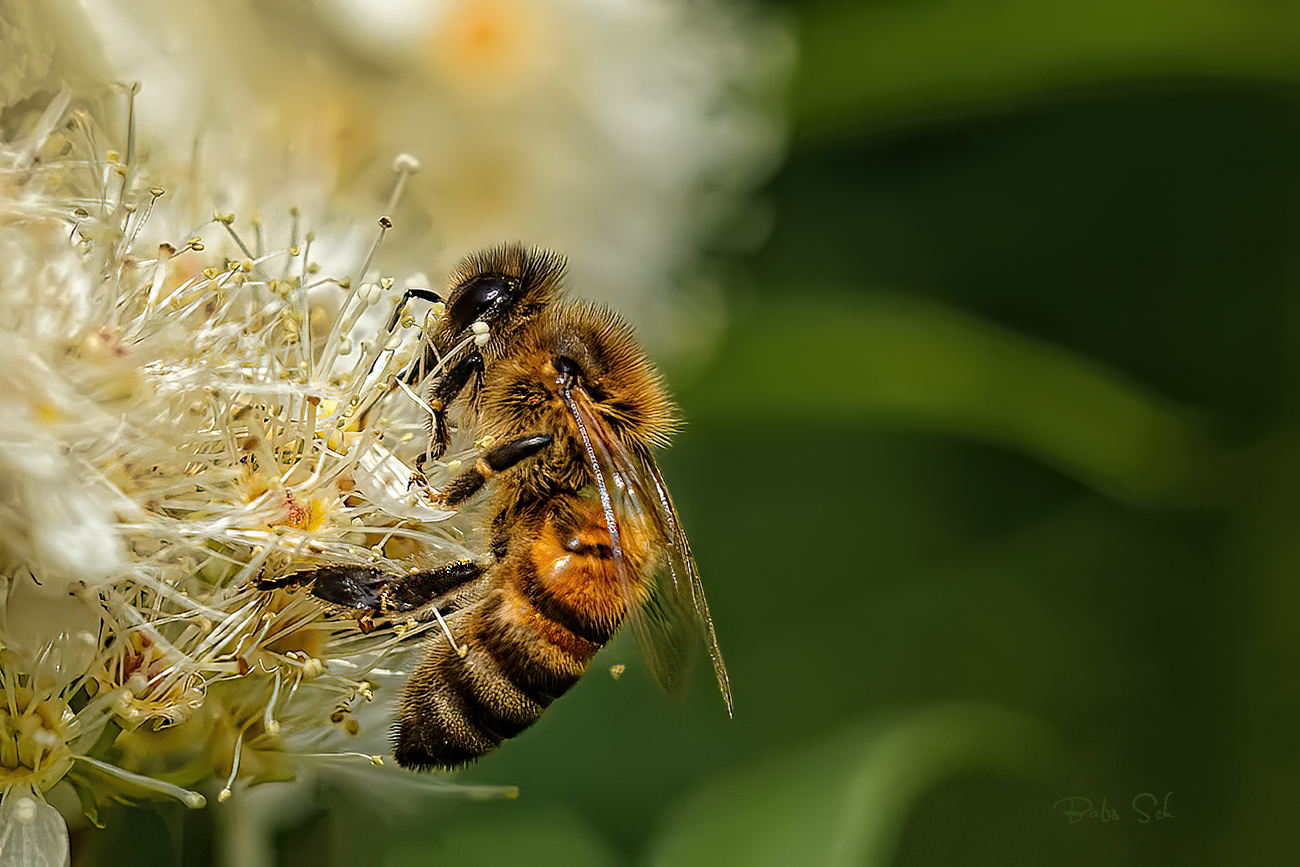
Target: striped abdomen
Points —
{"points": [[558, 595]]}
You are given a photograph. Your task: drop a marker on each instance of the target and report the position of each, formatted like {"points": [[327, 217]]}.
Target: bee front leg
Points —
{"points": [[468, 481], [442, 390]]}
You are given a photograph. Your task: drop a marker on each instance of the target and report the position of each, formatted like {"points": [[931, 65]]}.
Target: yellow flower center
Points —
{"points": [[34, 736]]}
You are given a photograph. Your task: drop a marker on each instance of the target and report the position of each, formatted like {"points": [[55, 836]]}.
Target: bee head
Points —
{"points": [[481, 299], [503, 287]]}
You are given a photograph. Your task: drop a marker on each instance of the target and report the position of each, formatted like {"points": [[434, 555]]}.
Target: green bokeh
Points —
{"points": [[1001, 435]]}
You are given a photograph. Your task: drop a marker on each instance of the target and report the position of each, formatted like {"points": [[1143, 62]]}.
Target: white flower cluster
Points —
{"points": [[186, 412], [194, 402]]}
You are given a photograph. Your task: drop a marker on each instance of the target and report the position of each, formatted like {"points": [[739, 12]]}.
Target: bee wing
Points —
{"points": [[684, 575], [675, 611]]}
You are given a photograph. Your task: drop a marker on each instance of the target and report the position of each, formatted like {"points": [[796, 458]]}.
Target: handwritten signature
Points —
{"points": [[1077, 809]]}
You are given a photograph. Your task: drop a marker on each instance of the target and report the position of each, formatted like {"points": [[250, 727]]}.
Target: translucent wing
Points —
{"points": [[685, 576], [675, 612]]}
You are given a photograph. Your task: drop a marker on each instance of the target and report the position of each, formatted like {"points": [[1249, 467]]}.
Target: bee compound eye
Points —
{"points": [[482, 299]]}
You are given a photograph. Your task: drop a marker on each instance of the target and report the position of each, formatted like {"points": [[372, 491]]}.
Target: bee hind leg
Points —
{"points": [[357, 587], [370, 592], [420, 588], [468, 481]]}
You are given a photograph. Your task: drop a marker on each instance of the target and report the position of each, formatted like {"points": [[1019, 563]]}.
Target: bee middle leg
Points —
{"points": [[468, 481]]}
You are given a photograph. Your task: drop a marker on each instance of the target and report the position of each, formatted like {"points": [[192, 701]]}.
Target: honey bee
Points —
{"points": [[583, 535]]}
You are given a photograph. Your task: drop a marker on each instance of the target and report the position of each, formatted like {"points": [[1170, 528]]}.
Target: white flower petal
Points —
{"points": [[32, 833]]}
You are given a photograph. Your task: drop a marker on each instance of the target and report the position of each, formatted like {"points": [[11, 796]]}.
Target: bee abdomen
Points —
{"points": [[457, 708]]}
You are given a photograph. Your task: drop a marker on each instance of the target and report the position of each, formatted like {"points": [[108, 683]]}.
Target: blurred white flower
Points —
{"points": [[622, 132]]}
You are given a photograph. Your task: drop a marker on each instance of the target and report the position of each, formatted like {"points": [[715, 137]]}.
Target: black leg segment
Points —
{"points": [[421, 588], [494, 460], [371, 592], [441, 391], [357, 587]]}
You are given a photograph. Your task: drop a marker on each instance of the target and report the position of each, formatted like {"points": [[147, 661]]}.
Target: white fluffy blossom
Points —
{"points": [[198, 390], [188, 410]]}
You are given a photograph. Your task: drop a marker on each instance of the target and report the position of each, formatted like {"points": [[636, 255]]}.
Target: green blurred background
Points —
{"points": [[994, 479]]}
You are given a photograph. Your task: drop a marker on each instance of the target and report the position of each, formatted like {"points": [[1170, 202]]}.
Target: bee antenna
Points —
{"points": [[413, 292], [567, 374]]}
